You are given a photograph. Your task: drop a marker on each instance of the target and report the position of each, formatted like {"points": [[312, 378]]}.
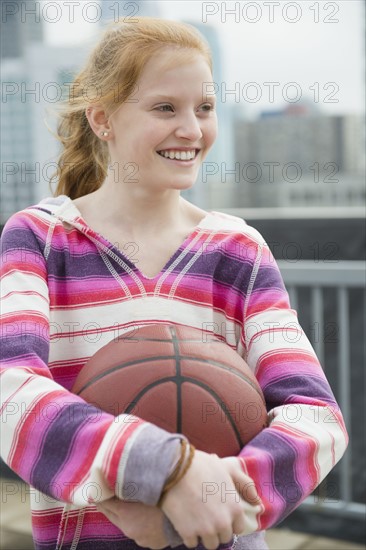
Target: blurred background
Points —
{"points": [[289, 159]]}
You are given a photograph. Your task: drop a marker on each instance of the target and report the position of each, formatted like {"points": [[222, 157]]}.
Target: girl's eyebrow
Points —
{"points": [[158, 97]]}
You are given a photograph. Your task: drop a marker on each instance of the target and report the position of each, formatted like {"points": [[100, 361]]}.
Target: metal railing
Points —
{"points": [[340, 278]]}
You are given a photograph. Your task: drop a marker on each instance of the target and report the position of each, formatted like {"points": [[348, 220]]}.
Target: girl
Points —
{"points": [[116, 248]]}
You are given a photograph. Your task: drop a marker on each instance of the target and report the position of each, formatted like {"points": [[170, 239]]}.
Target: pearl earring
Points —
{"points": [[104, 134]]}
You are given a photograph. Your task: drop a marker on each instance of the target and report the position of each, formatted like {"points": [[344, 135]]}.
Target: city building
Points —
{"points": [[32, 86], [50, 70], [300, 158], [21, 24], [16, 141], [21, 28]]}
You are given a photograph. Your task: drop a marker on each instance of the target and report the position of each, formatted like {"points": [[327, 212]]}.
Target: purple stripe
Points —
{"points": [[57, 445], [268, 278], [19, 243], [28, 348], [284, 480], [284, 388]]}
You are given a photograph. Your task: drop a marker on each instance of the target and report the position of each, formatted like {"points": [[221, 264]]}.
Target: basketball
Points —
{"points": [[180, 379]]}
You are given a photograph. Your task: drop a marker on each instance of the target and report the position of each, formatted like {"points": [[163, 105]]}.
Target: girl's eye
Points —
{"points": [[207, 107], [165, 108]]}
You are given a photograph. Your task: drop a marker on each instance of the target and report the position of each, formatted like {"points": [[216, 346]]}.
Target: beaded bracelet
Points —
{"points": [[178, 471]]}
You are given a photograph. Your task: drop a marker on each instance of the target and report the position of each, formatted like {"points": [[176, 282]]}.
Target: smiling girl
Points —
{"points": [[116, 248]]}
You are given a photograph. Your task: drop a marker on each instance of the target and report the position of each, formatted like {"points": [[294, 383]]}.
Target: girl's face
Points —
{"points": [[162, 133]]}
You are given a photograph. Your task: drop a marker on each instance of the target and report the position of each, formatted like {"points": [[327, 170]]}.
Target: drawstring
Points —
{"points": [[78, 529], [63, 525]]}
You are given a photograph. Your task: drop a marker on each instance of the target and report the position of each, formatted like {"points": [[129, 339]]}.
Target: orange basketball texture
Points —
{"points": [[181, 379]]}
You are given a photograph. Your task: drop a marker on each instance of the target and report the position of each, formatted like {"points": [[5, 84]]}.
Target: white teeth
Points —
{"points": [[179, 155]]}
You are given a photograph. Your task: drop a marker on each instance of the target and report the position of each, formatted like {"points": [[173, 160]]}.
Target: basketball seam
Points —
{"points": [[202, 385], [166, 358]]}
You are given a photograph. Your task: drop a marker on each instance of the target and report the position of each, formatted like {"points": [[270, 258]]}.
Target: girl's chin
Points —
{"points": [[179, 181], [179, 185]]}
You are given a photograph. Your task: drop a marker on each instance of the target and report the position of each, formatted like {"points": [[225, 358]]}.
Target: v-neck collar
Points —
{"points": [[71, 214]]}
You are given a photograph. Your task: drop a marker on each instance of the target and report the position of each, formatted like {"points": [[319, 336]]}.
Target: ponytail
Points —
{"points": [[82, 165]]}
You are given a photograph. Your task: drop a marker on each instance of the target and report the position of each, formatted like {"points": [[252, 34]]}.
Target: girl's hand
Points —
{"points": [[243, 483], [204, 506], [139, 522]]}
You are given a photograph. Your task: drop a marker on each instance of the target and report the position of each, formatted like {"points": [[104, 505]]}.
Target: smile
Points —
{"points": [[178, 155]]}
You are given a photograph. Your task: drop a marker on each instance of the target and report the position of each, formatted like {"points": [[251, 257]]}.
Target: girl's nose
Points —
{"points": [[189, 128]]}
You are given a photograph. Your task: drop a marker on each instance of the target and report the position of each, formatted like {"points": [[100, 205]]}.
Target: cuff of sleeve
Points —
{"points": [[172, 536], [152, 455]]}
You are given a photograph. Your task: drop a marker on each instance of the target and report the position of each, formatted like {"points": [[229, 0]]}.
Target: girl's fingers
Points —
{"points": [[108, 514], [226, 536], [111, 508], [247, 489], [243, 483], [253, 496], [107, 505], [191, 542], [239, 525], [211, 543]]}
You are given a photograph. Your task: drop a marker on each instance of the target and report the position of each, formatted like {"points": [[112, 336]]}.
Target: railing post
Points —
{"points": [[318, 321], [344, 387]]}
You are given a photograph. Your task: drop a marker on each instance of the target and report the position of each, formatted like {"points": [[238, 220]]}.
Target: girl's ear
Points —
{"points": [[98, 121]]}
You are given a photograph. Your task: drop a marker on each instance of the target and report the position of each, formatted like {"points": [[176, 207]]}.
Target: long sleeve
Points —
{"points": [[306, 436], [51, 438]]}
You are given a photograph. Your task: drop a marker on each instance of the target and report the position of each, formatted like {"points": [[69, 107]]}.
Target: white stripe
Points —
{"points": [[123, 460], [86, 334], [16, 282], [317, 423], [14, 413], [281, 331]]}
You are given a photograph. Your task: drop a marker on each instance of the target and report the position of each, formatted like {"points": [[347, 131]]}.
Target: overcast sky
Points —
{"points": [[318, 46]]}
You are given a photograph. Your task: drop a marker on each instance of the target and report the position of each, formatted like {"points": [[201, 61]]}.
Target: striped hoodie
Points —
{"points": [[67, 291]]}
